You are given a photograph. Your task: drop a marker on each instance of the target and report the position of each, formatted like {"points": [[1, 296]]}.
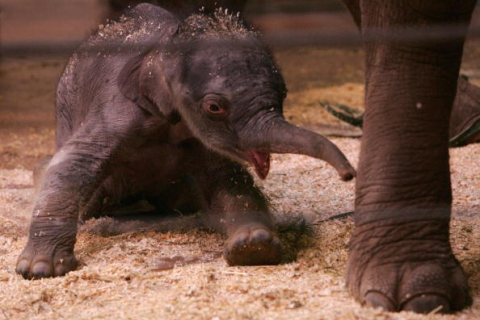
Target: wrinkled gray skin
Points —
{"points": [[167, 111]]}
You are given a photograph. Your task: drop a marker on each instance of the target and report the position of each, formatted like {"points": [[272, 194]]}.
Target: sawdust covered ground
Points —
{"points": [[172, 268]]}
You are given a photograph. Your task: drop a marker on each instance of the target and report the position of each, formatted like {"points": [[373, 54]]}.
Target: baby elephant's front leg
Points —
{"points": [[243, 213], [68, 182], [49, 250]]}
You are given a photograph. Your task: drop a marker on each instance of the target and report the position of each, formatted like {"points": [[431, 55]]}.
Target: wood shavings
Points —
{"points": [[115, 279]]}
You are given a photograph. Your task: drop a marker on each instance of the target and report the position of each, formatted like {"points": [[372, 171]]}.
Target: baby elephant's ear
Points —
{"points": [[129, 84], [143, 81]]}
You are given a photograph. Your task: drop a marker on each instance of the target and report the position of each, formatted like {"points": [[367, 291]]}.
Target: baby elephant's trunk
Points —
{"points": [[283, 137]]}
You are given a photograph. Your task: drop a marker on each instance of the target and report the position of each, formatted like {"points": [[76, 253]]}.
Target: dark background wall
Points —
{"points": [[292, 6]]}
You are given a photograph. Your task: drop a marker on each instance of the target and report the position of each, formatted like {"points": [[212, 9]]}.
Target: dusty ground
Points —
{"points": [[173, 269]]}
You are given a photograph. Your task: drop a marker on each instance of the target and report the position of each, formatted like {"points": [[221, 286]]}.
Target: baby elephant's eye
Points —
{"points": [[214, 108]]}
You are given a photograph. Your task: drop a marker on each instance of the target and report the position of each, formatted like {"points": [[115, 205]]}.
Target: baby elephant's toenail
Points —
{"points": [[42, 270], [261, 235], [375, 299], [240, 240], [61, 270], [23, 268]]}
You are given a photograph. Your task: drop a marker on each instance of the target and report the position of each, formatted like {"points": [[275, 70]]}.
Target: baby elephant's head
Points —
{"points": [[220, 79]]}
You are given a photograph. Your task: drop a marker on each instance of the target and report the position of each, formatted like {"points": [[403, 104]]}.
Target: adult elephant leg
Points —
{"points": [[400, 256], [465, 116]]}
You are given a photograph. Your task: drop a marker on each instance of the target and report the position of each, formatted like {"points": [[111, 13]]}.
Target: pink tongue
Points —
{"points": [[261, 161]]}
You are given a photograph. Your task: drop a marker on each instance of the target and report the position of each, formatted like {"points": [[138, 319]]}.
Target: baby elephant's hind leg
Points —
{"points": [[251, 239], [240, 209], [180, 196]]}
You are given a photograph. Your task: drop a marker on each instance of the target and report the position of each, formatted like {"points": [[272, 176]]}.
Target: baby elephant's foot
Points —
{"points": [[406, 266], [45, 261], [253, 244]]}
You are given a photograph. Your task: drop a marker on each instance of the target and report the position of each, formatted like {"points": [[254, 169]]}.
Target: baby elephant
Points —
{"points": [[167, 111]]}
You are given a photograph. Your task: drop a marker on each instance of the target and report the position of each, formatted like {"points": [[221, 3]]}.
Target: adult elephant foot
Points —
{"points": [[398, 265]]}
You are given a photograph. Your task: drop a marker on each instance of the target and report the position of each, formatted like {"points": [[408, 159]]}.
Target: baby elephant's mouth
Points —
{"points": [[261, 162]]}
